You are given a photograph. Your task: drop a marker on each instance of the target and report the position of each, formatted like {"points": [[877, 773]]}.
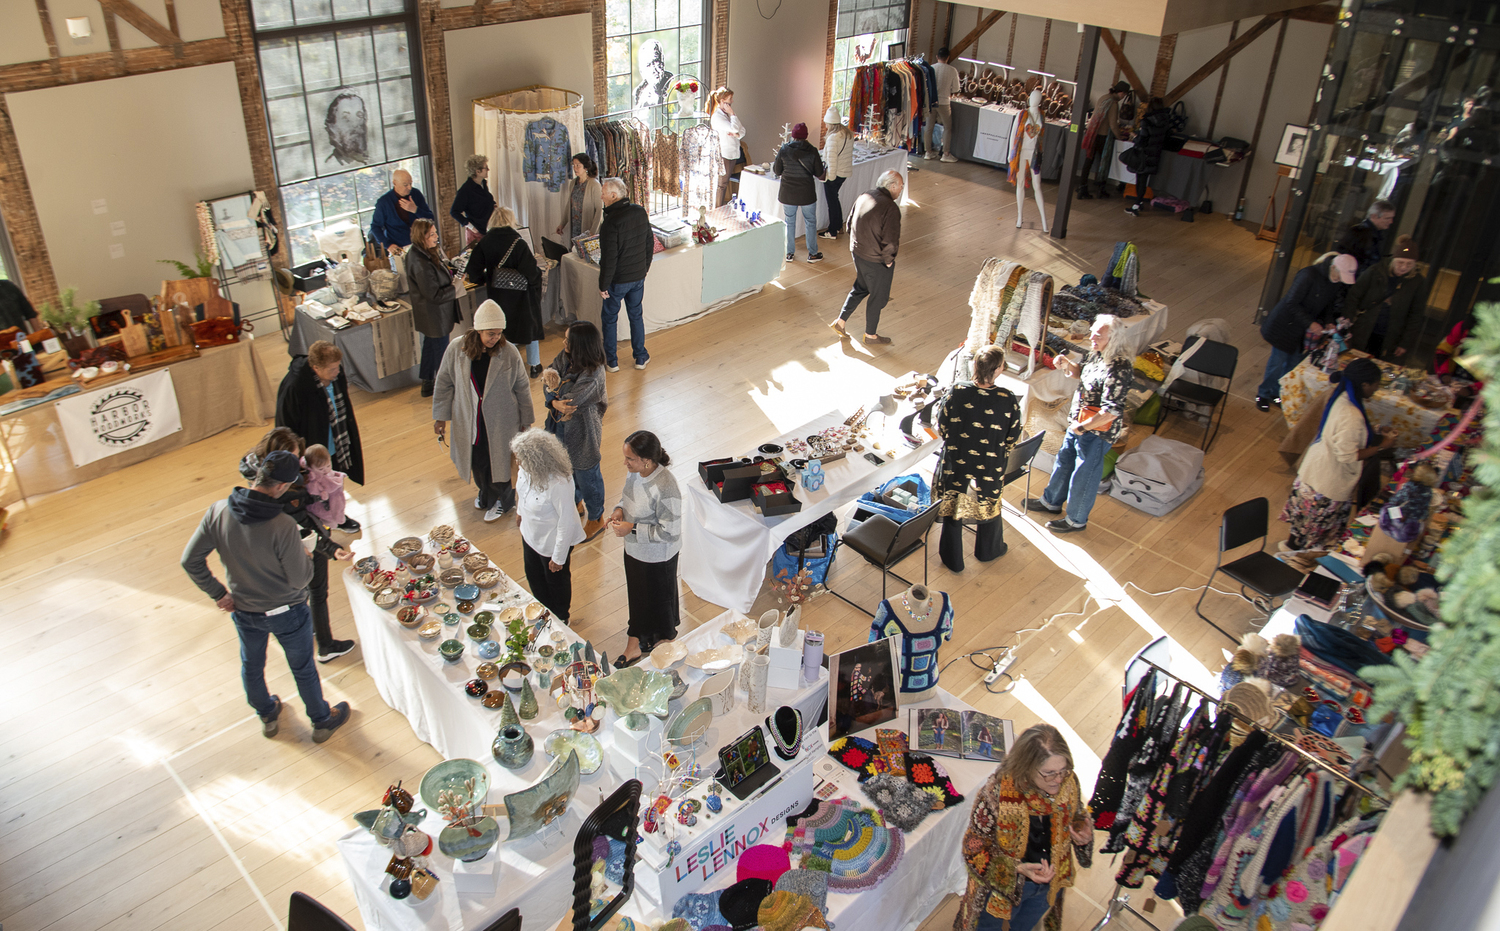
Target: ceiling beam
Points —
{"points": [[101, 66], [1218, 61], [491, 13], [1123, 62], [142, 21], [961, 45], [1323, 13]]}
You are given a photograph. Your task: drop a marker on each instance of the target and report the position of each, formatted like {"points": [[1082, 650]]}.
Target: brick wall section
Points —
{"points": [[833, 21], [439, 117], [21, 220], [601, 69], [720, 30], [236, 15], [1165, 50]]}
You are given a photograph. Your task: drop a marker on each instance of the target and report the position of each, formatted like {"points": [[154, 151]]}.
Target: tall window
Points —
{"points": [[652, 45], [864, 31], [340, 80]]}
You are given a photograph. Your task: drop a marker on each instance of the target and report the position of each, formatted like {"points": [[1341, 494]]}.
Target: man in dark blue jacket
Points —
{"points": [[625, 247], [1312, 302], [395, 211]]}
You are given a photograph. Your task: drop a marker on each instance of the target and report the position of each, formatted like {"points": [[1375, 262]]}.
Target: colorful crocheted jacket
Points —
{"points": [[996, 840]]}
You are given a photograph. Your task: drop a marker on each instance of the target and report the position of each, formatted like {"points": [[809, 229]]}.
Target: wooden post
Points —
{"points": [[21, 219], [439, 116], [1046, 39], [1064, 203], [1260, 118], [1010, 49], [1166, 49], [1213, 119]]}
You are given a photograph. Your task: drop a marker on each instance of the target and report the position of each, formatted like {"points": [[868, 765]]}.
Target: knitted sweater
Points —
{"points": [[654, 504]]}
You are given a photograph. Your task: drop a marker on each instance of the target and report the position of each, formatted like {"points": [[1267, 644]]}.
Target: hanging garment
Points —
{"points": [[993, 287], [546, 155], [665, 149], [1154, 829], [917, 637], [1201, 822], [1130, 735], [1166, 714]]}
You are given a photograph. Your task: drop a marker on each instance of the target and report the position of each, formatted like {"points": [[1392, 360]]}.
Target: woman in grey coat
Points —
{"points": [[576, 400], [434, 304], [482, 387]]}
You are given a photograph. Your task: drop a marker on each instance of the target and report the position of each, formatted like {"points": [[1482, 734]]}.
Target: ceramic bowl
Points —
{"points": [[454, 776], [441, 608], [741, 631], [420, 563], [466, 592], [405, 547], [590, 753], [489, 649], [487, 671], [513, 674], [476, 561], [430, 630], [545, 651], [409, 616], [667, 655], [494, 698], [534, 610], [716, 659], [485, 617], [487, 578], [466, 607], [478, 632], [451, 578], [476, 688], [452, 650], [510, 614], [453, 619], [387, 598]]}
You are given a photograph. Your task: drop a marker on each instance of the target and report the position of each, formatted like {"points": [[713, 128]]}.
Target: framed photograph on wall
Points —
{"points": [[895, 51], [1293, 146], [861, 687]]}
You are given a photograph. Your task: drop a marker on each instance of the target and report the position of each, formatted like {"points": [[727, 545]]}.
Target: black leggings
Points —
{"points": [[317, 600], [651, 590], [490, 491]]}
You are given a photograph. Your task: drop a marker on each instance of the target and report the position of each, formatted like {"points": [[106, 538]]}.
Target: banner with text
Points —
{"points": [[123, 416]]}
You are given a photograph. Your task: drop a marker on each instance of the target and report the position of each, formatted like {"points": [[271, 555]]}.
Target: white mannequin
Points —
{"points": [[1028, 150], [918, 603]]}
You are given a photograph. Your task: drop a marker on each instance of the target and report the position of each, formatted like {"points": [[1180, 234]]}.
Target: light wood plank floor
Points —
{"points": [[135, 788]]}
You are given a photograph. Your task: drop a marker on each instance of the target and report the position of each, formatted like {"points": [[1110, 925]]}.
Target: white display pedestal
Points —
{"points": [[477, 878]]}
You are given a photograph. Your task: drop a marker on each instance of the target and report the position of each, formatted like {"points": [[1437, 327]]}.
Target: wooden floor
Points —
{"points": [[135, 788]]}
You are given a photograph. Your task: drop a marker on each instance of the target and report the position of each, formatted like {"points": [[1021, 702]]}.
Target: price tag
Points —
{"points": [[1395, 513]]}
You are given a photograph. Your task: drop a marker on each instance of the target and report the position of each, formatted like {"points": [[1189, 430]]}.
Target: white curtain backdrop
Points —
{"points": [[499, 132]]}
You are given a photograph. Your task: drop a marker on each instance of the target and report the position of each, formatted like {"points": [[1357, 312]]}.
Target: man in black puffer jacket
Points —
{"points": [[625, 247], [1312, 302]]}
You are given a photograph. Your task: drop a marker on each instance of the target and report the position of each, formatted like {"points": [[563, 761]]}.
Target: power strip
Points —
{"points": [[1007, 659]]}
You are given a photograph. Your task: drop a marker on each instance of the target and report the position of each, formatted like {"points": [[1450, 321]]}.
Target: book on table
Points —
{"points": [[967, 735]]}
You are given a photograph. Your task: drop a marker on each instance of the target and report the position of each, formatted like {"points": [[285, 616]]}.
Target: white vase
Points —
{"points": [[760, 668]]}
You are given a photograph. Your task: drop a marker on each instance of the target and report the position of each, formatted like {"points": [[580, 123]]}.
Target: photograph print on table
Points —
{"points": [[862, 687]]}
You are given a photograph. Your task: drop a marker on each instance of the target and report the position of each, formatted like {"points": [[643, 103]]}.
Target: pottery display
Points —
{"points": [[441, 535], [717, 658], [451, 650], [786, 638], [534, 610], [527, 706], [487, 671], [464, 779], [466, 592], [478, 632], [431, 630], [507, 708], [679, 687], [667, 654], [740, 631], [634, 692], [691, 722], [513, 674], [719, 690], [494, 698], [565, 739], [442, 607], [367, 565], [760, 667], [534, 808], [465, 607], [452, 618], [513, 747], [476, 688], [485, 617], [469, 839]]}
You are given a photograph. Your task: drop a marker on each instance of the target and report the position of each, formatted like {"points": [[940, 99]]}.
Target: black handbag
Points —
{"points": [[508, 279], [1131, 158]]}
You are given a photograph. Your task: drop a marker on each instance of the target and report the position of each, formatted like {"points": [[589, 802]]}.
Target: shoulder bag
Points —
{"points": [[508, 279]]}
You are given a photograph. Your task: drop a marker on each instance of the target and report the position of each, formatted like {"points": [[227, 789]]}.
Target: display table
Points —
{"points": [[358, 344], [223, 387], [684, 282], [1413, 422], [1182, 174], [725, 547], [535, 873], [1145, 328], [759, 191], [981, 133]]}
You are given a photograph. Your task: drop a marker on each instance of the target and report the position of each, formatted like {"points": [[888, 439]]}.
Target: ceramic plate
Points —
{"points": [[430, 630], [590, 754], [466, 592], [450, 775], [740, 631], [769, 448], [690, 723], [717, 658], [667, 655]]}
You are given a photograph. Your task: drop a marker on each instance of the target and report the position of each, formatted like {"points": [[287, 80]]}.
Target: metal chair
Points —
{"points": [[1259, 571], [510, 921], [884, 543], [1019, 463], [1214, 359], [308, 914]]}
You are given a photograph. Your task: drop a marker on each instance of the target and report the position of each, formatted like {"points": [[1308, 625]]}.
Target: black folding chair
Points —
{"points": [[1259, 571], [308, 914], [884, 543], [510, 921], [1019, 463], [1212, 358]]}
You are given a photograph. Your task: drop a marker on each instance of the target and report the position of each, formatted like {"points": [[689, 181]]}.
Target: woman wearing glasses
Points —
{"points": [[1019, 847]]}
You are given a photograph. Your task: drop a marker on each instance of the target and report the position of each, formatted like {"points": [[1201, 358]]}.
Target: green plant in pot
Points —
{"points": [[515, 641], [204, 269], [71, 320]]}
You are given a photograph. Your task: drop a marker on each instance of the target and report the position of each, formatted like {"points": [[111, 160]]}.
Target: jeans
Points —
{"points": [[1278, 365], [588, 487], [1024, 915], [432, 356], [631, 293], [872, 279], [293, 629], [1076, 475], [835, 208], [809, 220], [533, 351]]}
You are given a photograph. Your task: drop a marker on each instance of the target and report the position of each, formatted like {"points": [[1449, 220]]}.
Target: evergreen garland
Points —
{"points": [[1450, 700]]}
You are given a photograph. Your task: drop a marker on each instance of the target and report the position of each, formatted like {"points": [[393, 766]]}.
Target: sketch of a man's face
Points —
{"points": [[348, 129], [653, 61]]}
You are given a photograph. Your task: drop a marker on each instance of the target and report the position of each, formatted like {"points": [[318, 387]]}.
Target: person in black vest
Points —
{"points": [[473, 204], [625, 247]]}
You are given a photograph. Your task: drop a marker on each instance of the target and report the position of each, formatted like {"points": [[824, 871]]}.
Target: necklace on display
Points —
{"points": [[926, 607]]}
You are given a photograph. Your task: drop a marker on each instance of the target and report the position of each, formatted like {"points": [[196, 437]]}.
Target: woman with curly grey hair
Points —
{"points": [[549, 524], [472, 205]]}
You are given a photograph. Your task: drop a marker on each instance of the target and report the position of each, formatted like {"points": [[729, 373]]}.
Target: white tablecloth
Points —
{"points": [[535, 872], [760, 191], [726, 546], [1145, 329], [992, 142]]}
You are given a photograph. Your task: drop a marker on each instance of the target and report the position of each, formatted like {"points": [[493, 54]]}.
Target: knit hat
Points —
{"points": [[788, 911], [740, 903], [1195, 923], [811, 883], [763, 861], [283, 466], [1347, 267], [489, 316], [831, 116], [701, 909], [799, 131], [1406, 248]]}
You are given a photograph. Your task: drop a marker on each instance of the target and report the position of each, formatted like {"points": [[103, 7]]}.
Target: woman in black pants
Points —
{"points": [[1150, 139], [649, 520], [979, 423]]}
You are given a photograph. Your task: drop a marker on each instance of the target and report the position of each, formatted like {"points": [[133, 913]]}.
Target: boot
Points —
{"points": [[427, 387], [1083, 193], [592, 529]]}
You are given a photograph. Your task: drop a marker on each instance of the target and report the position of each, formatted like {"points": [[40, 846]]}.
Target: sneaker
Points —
{"points": [[1083, 194], [611, 368], [791, 256], [479, 502], [1134, 211], [949, 158], [815, 258], [838, 327], [335, 649], [1262, 405], [827, 235], [322, 732], [876, 340], [1061, 525], [592, 529], [269, 723], [495, 512], [1035, 504], [643, 363], [930, 155], [350, 525]]}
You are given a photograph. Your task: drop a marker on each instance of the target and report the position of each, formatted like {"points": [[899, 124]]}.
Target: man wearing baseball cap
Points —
{"points": [[1312, 302], [268, 573]]}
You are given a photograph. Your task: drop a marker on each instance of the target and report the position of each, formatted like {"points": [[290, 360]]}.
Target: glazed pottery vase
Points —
{"points": [[528, 708], [760, 668], [508, 714], [513, 747], [469, 839]]}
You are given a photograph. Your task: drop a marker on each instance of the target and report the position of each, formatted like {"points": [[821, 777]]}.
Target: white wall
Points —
{"points": [[555, 51], [21, 36], [776, 67], [150, 147]]}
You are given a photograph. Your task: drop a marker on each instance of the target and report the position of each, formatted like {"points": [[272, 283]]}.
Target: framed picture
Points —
{"points": [[1293, 146], [895, 51], [862, 687]]}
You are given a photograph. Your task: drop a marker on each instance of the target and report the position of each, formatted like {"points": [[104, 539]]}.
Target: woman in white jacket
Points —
{"points": [[1322, 496], [731, 135], [549, 523], [838, 157]]}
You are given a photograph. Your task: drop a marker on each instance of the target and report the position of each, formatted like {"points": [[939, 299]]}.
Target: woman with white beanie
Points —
{"points": [[483, 388], [838, 158]]}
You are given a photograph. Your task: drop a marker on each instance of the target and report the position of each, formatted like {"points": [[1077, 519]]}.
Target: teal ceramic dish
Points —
{"points": [[452, 776], [452, 618], [451, 650], [466, 592]]}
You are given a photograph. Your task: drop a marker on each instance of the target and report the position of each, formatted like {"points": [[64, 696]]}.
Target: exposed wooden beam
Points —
{"points": [[141, 20], [439, 112], [1324, 13], [1123, 62], [172, 18], [48, 32], [1230, 50], [113, 32], [1260, 117], [1213, 119], [102, 66], [974, 34], [491, 14], [21, 219], [1166, 50]]}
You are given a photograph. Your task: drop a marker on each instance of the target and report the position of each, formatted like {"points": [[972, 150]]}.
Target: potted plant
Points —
{"points": [[70, 320], [204, 269]]}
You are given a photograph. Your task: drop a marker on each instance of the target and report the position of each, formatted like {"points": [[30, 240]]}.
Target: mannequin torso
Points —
{"points": [[920, 620]]}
